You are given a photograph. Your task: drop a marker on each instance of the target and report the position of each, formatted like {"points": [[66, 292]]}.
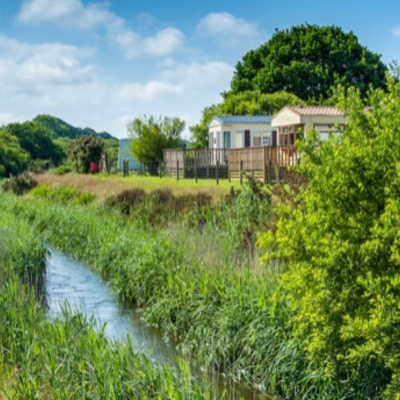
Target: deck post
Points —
{"points": [[265, 164], [216, 172], [195, 168], [240, 172], [177, 170], [229, 166]]}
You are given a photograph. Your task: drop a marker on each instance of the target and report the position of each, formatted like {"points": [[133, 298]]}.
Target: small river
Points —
{"points": [[71, 281]]}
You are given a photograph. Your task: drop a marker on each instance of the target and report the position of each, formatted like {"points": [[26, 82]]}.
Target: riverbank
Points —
{"points": [[66, 358], [198, 285]]}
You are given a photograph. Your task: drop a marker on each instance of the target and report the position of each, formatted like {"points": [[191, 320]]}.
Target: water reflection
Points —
{"points": [[73, 281]]}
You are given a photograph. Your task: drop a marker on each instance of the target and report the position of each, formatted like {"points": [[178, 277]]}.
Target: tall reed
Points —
{"points": [[232, 319], [67, 358]]}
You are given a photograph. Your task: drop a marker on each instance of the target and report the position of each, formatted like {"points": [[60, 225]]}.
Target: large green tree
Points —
{"points": [[341, 247], [13, 158], [309, 61], [151, 135], [36, 141]]}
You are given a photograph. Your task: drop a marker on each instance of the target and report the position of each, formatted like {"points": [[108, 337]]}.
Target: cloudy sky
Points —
{"points": [[101, 64]]}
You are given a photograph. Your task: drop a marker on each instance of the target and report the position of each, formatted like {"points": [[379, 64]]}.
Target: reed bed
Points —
{"points": [[196, 277], [66, 358], [196, 285]]}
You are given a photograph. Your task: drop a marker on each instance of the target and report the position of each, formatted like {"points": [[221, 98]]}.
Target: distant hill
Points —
{"points": [[60, 129]]}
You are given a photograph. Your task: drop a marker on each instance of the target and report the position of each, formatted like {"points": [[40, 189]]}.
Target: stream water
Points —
{"points": [[71, 281]]}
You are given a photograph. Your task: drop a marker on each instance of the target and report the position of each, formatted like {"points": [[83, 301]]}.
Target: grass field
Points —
{"points": [[106, 185]]}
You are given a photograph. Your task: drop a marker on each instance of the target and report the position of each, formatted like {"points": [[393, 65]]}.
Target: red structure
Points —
{"points": [[94, 168]]}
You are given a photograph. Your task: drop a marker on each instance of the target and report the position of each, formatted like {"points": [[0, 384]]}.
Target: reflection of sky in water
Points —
{"points": [[72, 281]]}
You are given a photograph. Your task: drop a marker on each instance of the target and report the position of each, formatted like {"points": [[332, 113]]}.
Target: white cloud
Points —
{"points": [[215, 74], [228, 30], [396, 31], [165, 42], [7, 118], [42, 10], [31, 68], [68, 13], [149, 91], [74, 14]]}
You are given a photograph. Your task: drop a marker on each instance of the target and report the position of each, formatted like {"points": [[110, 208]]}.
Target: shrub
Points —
{"points": [[61, 170], [63, 195], [20, 184], [125, 200], [39, 166]]}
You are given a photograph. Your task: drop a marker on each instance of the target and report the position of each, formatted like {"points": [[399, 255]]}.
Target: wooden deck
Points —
{"points": [[265, 163]]}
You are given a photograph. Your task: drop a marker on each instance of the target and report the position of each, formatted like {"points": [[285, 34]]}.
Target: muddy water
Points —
{"points": [[71, 281]]}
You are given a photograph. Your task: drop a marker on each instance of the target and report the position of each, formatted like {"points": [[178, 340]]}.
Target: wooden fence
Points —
{"points": [[196, 163], [265, 163]]}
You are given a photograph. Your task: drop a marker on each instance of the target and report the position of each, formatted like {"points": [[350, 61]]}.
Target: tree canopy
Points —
{"points": [[151, 135], [13, 158], [36, 141], [309, 61]]}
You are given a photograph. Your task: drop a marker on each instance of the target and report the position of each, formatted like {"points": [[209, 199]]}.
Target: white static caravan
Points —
{"points": [[238, 131], [290, 121]]}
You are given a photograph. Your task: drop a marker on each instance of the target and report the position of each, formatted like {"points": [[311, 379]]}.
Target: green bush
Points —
{"points": [[61, 170], [20, 184], [63, 195], [40, 166]]}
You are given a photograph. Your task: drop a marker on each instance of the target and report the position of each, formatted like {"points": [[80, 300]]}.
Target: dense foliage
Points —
{"points": [[309, 61], [43, 143], [83, 151], [20, 184], [13, 158], [341, 247], [151, 135], [64, 134], [67, 357], [36, 141]]}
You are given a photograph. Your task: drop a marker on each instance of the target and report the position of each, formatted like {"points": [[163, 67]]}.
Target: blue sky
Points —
{"points": [[101, 64]]}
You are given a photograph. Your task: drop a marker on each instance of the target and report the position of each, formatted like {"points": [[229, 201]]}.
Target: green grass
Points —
{"points": [[197, 286], [204, 286], [104, 185], [67, 358]]}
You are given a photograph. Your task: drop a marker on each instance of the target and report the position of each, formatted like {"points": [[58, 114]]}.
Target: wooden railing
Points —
{"points": [[202, 163], [261, 162]]}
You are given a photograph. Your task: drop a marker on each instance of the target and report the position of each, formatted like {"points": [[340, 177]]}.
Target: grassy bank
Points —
{"points": [[105, 185], [67, 358], [198, 277], [194, 284]]}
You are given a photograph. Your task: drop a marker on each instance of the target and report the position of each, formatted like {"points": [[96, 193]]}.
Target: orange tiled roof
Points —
{"points": [[315, 110]]}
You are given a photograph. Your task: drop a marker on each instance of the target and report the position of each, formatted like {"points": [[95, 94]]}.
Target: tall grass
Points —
{"points": [[231, 318], [199, 282], [67, 358]]}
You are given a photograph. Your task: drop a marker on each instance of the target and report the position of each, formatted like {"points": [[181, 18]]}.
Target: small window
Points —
{"points": [[266, 141], [227, 140], [256, 139]]}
